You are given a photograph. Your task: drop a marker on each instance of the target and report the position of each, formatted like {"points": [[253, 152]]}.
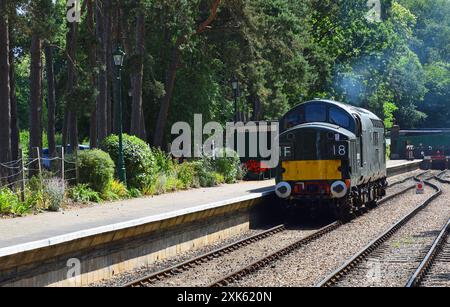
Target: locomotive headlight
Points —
{"points": [[283, 190], [339, 189]]}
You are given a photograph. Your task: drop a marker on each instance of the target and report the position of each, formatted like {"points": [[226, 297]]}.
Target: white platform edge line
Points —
{"points": [[20, 248]]}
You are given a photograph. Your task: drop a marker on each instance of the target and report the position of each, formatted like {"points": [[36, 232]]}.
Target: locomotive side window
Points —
{"points": [[316, 112]]}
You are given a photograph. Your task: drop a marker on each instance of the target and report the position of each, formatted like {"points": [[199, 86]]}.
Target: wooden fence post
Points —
{"points": [[39, 162], [62, 164], [77, 173], [22, 183], [63, 168]]}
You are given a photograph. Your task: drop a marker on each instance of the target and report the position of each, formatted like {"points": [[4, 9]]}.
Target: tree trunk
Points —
{"points": [[102, 82], [109, 61], [161, 122], [5, 103], [51, 109], [256, 107], [35, 97], [72, 118], [91, 58], [15, 134], [137, 117]]}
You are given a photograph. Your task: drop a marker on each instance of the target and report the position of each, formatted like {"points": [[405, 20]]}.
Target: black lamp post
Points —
{"points": [[119, 56], [235, 86]]}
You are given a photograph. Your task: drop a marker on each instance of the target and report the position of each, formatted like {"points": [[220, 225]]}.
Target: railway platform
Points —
{"points": [[116, 237]]}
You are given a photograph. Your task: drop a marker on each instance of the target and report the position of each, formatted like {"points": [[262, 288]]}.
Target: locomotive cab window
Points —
{"points": [[316, 112], [292, 120], [341, 118]]}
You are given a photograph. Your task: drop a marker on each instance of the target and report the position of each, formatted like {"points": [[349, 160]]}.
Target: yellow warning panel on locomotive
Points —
{"points": [[312, 170]]}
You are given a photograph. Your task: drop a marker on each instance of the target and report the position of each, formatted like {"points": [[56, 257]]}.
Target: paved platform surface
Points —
{"points": [[49, 225]]}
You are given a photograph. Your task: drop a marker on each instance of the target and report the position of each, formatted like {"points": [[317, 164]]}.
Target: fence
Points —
{"points": [[16, 174]]}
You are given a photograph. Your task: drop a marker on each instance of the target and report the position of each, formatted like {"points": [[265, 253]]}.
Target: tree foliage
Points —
{"points": [[282, 51]]}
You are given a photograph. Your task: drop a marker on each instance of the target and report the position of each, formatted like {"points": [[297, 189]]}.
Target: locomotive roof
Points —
{"points": [[347, 107], [325, 126]]}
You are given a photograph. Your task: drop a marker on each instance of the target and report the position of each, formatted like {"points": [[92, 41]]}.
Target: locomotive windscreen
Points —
{"points": [[312, 144]]}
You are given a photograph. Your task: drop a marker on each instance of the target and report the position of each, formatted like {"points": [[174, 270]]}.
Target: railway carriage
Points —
{"points": [[333, 156]]}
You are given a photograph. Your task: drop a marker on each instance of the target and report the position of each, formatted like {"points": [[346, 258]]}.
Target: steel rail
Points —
{"points": [[345, 269], [427, 263], [407, 179], [235, 276], [264, 261], [179, 268]]}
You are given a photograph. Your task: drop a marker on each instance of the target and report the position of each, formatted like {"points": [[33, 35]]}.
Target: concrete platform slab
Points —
{"points": [[70, 225]]}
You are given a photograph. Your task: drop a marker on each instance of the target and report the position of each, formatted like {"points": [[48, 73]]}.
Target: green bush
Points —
{"points": [[204, 172], [164, 163], [11, 204], [186, 175], [139, 160], [96, 169], [115, 191], [219, 178], [134, 193], [82, 193], [35, 194], [229, 166]]}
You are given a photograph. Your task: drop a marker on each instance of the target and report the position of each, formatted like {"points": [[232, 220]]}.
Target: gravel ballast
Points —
{"points": [[394, 262], [217, 268], [310, 264], [439, 275]]}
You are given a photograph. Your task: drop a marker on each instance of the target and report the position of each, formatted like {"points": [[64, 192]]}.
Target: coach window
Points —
{"points": [[316, 113]]}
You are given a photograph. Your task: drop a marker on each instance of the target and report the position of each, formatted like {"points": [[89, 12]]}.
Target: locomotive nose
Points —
{"points": [[339, 189], [283, 190]]}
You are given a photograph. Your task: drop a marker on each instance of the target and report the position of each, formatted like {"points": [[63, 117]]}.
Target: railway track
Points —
{"points": [[177, 269], [434, 270], [393, 254], [264, 261]]}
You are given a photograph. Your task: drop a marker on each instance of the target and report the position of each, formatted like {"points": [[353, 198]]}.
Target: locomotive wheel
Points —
{"points": [[372, 204], [345, 211]]}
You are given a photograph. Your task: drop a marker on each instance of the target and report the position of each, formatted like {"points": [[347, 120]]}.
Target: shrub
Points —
{"points": [[163, 162], [115, 191], [54, 193], [219, 178], [82, 193], [173, 184], [134, 193], [229, 165], [96, 169], [186, 175], [35, 194], [157, 187], [10, 203], [204, 172], [139, 159]]}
